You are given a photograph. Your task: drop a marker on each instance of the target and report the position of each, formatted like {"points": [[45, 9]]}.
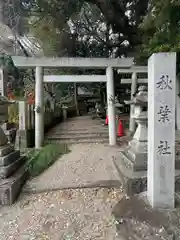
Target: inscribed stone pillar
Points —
{"points": [[161, 129]]}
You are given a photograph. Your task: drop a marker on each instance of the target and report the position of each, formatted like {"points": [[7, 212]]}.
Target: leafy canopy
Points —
{"points": [[161, 27]]}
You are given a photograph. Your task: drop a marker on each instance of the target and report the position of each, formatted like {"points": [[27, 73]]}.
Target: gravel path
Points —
{"points": [[83, 211], [87, 165], [61, 215], [76, 124]]}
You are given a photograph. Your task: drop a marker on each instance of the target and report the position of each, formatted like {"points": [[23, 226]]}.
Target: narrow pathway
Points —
{"points": [[81, 214], [82, 129], [78, 207], [87, 165]]}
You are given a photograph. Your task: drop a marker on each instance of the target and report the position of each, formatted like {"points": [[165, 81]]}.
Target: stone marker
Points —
{"points": [[64, 111], [3, 82], [132, 162], [161, 129], [12, 172], [9, 132], [22, 132], [22, 115]]}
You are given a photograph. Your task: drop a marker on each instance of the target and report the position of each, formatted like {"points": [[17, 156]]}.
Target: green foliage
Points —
{"points": [[88, 28], [43, 27], [161, 28], [51, 27], [13, 114], [15, 76], [6, 61], [19, 93], [40, 160]]}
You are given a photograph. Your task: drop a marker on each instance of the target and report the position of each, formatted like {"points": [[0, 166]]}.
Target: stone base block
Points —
{"points": [[10, 134], [132, 182], [136, 182], [5, 150], [25, 139], [11, 187], [10, 158], [137, 161], [136, 219], [21, 139], [3, 138], [6, 171]]}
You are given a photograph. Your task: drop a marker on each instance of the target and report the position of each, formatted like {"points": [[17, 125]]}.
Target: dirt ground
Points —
{"points": [[82, 214], [46, 211], [87, 165]]}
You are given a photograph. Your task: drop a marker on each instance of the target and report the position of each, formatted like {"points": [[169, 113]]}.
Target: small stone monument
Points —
{"points": [[132, 164], [21, 142], [12, 174], [64, 112], [9, 132]]}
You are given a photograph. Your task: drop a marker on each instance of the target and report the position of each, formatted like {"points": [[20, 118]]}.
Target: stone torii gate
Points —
{"points": [[90, 63]]}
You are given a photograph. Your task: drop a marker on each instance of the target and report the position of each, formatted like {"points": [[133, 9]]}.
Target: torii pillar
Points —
{"points": [[39, 108], [132, 123], [111, 106]]}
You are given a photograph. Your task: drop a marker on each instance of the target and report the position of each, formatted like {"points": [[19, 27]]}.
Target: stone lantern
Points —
{"points": [[133, 160], [13, 172], [4, 103], [137, 150]]}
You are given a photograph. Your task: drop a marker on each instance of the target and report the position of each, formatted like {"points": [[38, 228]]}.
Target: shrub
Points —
{"points": [[40, 160], [13, 114]]}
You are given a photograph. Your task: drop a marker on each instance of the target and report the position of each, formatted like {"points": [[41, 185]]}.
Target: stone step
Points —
{"points": [[11, 187], [10, 158], [93, 140], [87, 129], [79, 139], [78, 136], [63, 132], [69, 134], [6, 171], [73, 141]]}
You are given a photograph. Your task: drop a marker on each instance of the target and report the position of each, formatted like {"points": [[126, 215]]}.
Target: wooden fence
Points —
{"points": [[24, 137], [27, 115]]}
